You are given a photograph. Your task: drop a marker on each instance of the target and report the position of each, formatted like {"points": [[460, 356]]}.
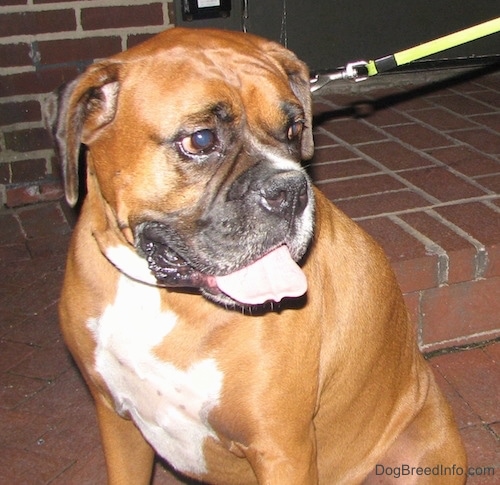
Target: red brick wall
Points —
{"points": [[44, 43]]}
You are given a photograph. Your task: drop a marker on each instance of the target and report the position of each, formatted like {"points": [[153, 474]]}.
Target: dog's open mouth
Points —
{"points": [[271, 277], [172, 270]]}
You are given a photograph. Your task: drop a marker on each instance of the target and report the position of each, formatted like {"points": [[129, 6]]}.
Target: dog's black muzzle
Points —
{"points": [[262, 210]]}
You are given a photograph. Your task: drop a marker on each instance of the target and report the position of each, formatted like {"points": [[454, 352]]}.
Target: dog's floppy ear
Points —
{"points": [[298, 76], [76, 112]]}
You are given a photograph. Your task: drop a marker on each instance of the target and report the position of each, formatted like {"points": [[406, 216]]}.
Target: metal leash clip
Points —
{"points": [[354, 71]]}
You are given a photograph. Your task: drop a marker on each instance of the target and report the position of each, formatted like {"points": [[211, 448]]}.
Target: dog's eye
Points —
{"points": [[199, 142], [295, 129]]}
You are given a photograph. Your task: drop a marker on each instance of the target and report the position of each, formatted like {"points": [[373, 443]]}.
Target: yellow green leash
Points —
{"points": [[361, 70]]}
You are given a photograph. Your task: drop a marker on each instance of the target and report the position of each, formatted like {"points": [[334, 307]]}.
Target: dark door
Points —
{"points": [[329, 33]]}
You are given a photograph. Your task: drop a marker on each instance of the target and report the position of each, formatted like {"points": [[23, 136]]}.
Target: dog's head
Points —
{"points": [[194, 141]]}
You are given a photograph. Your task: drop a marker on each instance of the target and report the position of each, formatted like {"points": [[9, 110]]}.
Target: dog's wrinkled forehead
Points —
{"points": [[184, 94]]}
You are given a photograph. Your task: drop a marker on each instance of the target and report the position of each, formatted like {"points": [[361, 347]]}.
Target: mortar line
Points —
{"points": [[481, 259], [433, 248]]}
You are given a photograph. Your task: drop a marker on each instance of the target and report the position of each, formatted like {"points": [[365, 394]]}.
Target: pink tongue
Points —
{"points": [[272, 277]]}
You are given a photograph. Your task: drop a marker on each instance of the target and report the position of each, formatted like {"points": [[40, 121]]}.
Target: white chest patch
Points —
{"points": [[170, 406]]}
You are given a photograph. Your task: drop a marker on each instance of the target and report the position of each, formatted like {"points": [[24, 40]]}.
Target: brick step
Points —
{"points": [[419, 169]]}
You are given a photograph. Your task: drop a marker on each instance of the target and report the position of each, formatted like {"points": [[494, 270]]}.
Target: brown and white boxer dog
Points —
{"points": [[221, 310]]}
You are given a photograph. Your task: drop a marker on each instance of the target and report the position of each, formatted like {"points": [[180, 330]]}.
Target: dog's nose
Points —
{"points": [[285, 193]]}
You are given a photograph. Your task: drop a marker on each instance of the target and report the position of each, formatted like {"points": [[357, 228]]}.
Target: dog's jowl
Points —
{"points": [[224, 314]]}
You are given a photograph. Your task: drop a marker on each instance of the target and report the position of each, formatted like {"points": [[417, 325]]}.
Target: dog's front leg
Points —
{"points": [[293, 462], [129, 458]]}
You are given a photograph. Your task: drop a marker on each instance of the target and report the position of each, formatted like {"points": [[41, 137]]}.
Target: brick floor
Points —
{"points": [[418, 168]]}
